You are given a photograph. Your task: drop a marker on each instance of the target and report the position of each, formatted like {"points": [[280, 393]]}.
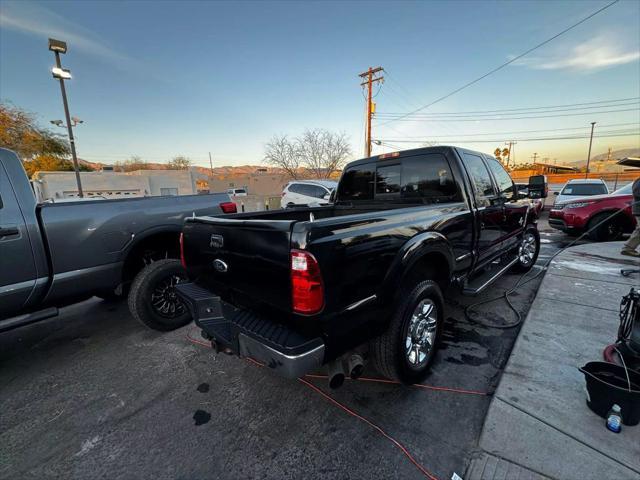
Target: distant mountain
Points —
{"points": [[615, 155], [224, 170]]}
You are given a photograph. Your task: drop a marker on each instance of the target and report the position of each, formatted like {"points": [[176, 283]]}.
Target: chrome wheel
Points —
{"points": [[165, 300], [421, 333], [527, 250]]}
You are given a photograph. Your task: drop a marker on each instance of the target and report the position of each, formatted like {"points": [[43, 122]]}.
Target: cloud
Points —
{"points": [[595, 54], [31, 19]]}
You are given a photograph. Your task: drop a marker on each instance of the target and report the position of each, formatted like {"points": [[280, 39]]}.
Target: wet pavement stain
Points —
{"points": [[469, 360], [203, 387], [201, 417], [456, 332]]}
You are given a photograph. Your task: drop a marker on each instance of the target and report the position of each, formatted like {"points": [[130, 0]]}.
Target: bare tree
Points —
{"points": [[283, 153], [132, 164], [323, 152], [179, 163]]}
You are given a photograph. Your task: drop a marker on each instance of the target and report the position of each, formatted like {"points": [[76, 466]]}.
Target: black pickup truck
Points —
{"points": [[361, 278]]}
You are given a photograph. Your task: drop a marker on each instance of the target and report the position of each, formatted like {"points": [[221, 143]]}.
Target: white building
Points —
{"points": [[110, 184]]}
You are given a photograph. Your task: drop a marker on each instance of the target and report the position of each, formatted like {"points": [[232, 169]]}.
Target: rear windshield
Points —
{"points": [[584, 189], [421, 178]]}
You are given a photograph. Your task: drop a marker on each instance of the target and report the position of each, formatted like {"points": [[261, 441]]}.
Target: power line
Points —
{"points": [[617, 100], [575, 137], [480, 119], [506, 113], [583, 127], [518, 57]]}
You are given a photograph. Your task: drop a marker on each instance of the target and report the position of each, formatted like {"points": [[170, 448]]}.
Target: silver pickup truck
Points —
{"points": [[52, 255]]}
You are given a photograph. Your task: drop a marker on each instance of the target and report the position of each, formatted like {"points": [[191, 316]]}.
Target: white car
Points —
{"points": [[237, 192], [307, 192], [574, 189]]}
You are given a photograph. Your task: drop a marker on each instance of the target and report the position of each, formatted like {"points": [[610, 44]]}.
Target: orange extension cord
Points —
{"points": [[351, 412]]}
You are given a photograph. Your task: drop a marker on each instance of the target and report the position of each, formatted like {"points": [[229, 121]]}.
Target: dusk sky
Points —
{"points": [[158, 79]]}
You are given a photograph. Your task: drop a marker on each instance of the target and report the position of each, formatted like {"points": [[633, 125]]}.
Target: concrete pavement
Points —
{"points": [[538, 424]]}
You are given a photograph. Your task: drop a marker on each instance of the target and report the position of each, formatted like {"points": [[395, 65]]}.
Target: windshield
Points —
{"points": [[626, 190], [584, 189]]}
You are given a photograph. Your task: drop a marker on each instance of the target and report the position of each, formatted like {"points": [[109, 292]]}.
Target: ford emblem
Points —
{"points": [[216, 241], [220, 266]]}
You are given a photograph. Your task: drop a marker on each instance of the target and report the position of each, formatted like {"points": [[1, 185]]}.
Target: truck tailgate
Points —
{"points": [[243, 258]]}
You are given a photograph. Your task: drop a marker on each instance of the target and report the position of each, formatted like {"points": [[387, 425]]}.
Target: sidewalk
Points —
{"points": [[538, 424]]}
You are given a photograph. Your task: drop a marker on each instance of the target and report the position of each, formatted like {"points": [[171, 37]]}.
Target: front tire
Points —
{"points": [[406, 350], [609, 231], [153, 300]]}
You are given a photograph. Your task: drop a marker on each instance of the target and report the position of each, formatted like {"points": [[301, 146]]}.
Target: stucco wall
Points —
{"points": [[140, 183]]}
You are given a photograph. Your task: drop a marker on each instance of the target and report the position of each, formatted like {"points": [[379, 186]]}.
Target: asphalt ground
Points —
{"points": [[93, 394]]}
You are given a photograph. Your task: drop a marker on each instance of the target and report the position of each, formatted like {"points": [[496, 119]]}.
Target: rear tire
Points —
{"points": [[152, 299], [414, 331], [609, 231], [528, 250]]}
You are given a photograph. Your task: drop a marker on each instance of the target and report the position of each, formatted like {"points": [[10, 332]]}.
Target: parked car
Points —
{"points": [[54, 254], [363, 277], [237, 192], [307, 192], [576, 216], [578, 188]]}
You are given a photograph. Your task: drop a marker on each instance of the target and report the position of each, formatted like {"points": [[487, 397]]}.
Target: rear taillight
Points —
{"points": [[307, 292], [184, 264], [228, 207]]}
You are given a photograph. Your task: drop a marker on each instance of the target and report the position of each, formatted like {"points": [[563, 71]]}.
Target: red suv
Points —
{"points": [[576, 216]]}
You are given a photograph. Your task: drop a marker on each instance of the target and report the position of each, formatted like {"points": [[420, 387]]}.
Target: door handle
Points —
{"points": [[9, 231]]}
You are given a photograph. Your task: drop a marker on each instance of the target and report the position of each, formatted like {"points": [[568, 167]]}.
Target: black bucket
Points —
{"points": [[607, 385]]}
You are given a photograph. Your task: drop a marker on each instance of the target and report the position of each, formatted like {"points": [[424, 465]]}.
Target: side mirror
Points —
{"points": [[556, 193], [521, 189], [327, 196], [538, 186]]}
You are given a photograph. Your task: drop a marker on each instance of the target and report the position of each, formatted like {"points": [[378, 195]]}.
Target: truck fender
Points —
{"points": [[139, 237], [413, 251]]}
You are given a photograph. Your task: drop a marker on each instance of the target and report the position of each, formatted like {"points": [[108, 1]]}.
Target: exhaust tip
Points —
{"points": [[336, 381], [356, 371], [355, 366]]}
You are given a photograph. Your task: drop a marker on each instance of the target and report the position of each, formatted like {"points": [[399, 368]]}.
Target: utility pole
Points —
{"points": [[369, 80], [535, 157], [511, 143], [586, 175], [211, 164]]}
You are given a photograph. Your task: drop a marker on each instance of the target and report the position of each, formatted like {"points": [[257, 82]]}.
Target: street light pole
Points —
{"points": [[586, 175], [69, 127]]}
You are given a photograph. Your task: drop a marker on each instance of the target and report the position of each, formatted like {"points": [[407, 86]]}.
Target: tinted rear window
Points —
{"points": [[388, 179], [357, 183], [418, 178], [584, 189], [428, 176]]}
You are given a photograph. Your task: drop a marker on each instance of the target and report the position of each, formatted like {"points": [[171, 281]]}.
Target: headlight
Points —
{"points": [[577, 204]]}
